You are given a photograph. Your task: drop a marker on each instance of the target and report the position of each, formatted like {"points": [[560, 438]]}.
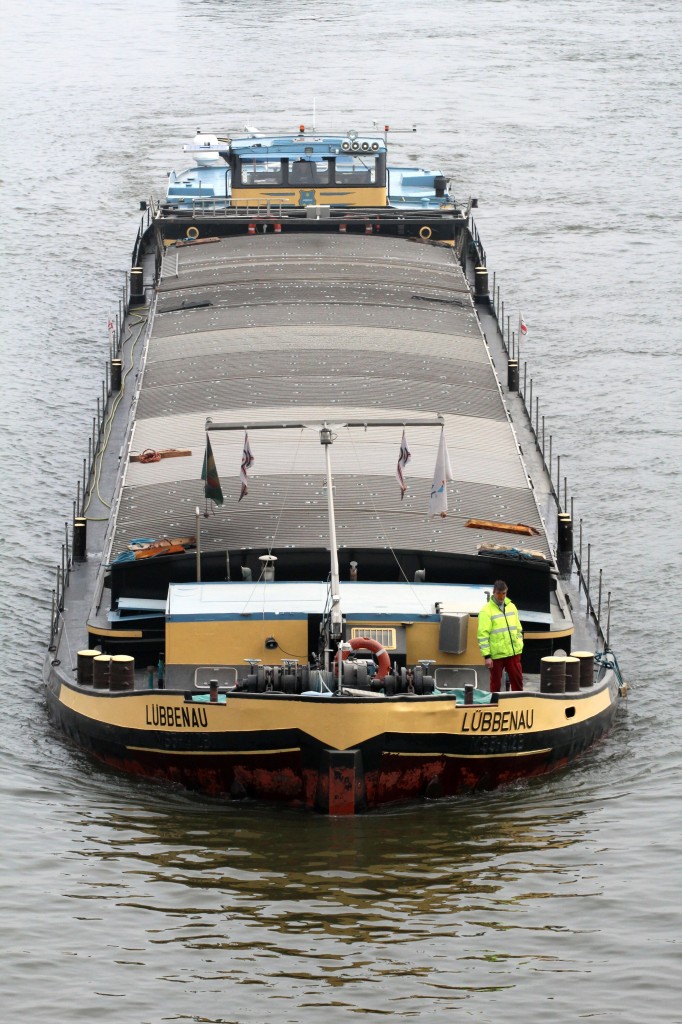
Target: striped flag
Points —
{"points": [[523, 330], [247, 461], [209, 474], [438, 502], [403, 459]]}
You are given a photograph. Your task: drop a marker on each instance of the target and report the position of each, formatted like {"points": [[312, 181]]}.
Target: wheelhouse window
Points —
{"points": [[308, 171], [260, 172], [311, 170], [357, 170]]}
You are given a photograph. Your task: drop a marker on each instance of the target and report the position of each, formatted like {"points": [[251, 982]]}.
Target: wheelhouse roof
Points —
{"points": [[287, 145]]}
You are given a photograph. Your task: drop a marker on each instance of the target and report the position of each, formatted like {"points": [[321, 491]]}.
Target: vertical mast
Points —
{"points": [[336, 617]]}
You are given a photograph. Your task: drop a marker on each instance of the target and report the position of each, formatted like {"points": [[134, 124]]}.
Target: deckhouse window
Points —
{"points": [[308, 172], [260, 172], [356, 170]]}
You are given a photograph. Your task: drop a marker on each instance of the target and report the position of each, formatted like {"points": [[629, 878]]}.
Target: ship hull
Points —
{"points": [[311, 634], [334, 755]]}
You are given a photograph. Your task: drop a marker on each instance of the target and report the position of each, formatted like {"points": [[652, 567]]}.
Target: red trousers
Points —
{"points": [[513, 667]]}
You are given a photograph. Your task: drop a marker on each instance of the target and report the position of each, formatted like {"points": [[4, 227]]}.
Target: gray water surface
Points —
{"points": [[124, 902]]}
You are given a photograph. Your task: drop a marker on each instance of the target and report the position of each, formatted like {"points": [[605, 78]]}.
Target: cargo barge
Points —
{"points": [[314, 456]]}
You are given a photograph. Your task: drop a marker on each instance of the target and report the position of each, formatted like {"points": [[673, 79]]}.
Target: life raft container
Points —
{"points": [[364, 643]]}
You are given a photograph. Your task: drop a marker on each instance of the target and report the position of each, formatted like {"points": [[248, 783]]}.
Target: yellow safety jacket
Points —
{"points": [[499, 630]]}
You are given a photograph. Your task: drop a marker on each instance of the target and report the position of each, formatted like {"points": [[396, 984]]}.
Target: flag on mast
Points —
{"points": [[209, 474], [403, 459], [438, 502], [247, 461], [523, 330]]}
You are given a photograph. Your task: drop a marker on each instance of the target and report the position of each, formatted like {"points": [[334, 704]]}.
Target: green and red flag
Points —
{"points": [[209, 474]]}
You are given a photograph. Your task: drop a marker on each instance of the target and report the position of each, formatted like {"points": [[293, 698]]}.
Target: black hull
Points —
{"points": [[289, 766]]}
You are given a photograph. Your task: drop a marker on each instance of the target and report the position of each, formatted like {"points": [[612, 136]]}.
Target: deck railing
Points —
{"points": [[580, 558], [118, 335]]}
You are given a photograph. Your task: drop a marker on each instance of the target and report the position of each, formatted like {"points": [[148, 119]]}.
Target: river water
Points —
{"points": [[556, 901]]}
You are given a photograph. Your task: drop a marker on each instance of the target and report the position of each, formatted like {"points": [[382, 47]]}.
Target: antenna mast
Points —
{"points": [[335, 615]]}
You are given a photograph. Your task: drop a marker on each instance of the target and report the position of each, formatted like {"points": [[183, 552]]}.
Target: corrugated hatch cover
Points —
{"points": [[312, 328]]}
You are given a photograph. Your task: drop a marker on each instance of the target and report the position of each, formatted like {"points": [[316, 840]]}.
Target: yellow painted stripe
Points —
{"points": [[549, 635], [334, 723], [215, 753], [125, 634], [470, 757], [347, 195]]}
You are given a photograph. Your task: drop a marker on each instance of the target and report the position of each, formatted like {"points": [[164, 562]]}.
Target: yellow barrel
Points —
{"points": [[586, 659], [122, 672], [100, 671], [552, 674], [572, 674], [84, 667]]}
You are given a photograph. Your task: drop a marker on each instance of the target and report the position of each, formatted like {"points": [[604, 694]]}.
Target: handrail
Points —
{"points": [[211, 207], [511, 346]]}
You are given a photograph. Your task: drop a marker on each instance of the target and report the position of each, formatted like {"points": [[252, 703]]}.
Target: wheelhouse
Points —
{"points": [[243, 172], [301, 172]]}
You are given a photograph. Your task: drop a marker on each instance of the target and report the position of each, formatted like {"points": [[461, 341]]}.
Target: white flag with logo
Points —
{"points": [[438, 503]]}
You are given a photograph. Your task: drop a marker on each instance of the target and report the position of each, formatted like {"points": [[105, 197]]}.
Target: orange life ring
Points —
{"points": [[364, 643]]}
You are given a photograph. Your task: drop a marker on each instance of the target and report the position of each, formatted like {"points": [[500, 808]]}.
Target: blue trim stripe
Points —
{"points": [[239, 617], [394, 618], [364, 617]]}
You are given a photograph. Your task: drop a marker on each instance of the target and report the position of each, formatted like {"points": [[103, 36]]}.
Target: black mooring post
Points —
{"points": [[116, 374], [136, 287], [80, 525], [481, 293]]}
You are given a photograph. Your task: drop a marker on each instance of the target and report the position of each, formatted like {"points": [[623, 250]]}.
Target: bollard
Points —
{"points": [[116, 374], [572, 675], [552, 674], [136, 287], [84, 667], [565, 533], [586, 659], [513, 375], [80, 530], [564, 543], [122, 672], [100, 671], [481, 293]]}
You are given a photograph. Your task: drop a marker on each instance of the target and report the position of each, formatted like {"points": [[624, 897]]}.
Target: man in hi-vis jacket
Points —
{"points": [[500, 638]]}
